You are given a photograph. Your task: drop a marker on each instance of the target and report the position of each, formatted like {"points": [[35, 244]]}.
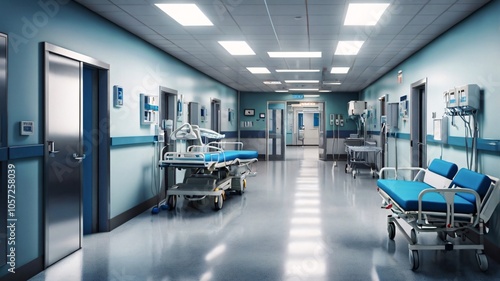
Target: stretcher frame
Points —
{"points": [[205, 178], [357, 156], [450, 224]]}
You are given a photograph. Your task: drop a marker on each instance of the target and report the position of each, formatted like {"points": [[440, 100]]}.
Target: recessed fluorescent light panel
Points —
{"points": [[258, 70], [325, 91], [339, 70], [301, 81], [348, 47], [281, 91], [237, 48], [364, 14], [297, 70], [304, 90], [272, 82], [186, 14], [332, 83], [294, 54]]}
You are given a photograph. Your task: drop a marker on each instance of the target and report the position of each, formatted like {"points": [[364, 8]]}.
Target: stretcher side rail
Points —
{"points": [[394, 170], [469, 199]]}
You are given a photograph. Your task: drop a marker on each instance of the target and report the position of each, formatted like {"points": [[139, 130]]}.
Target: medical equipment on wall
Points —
{"points": [[403, 107], [161, 130], [356, 107], [149, 109], [211, 170], [179, 109], [338, 120], [203, 114], [117, 96], [464, 102]]}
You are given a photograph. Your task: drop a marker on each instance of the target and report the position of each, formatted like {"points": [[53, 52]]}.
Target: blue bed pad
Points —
{"points": [[229, 155], [405, 193]]}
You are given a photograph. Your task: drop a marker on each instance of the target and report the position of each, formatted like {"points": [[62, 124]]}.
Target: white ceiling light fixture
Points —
{"points": [[258, 70], [272, 82], [325, 91], [311, 96], [302, 81], [348, 48], [186, 14], [237, 48], [364, 13], [297, 70], [294, 54], [339, 70], [332, 83], [304, 89], [281, 91]]}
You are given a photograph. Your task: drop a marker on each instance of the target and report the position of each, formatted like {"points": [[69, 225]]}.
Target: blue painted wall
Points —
{"points": [[135, 65], [466, 54]]}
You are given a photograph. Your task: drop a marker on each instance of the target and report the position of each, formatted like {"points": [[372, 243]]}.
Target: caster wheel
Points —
{"points": [[171, 202], [414, 260], [482, 261], [391, 229], [218, 202], [413, 236], [155, 210], [345, 168], [164, 207]]}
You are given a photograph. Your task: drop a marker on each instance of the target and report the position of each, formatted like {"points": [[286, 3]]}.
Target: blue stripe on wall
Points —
{"points": [[26, 151], [4, 154], [253, 134], [118, 141], [230, 134]]}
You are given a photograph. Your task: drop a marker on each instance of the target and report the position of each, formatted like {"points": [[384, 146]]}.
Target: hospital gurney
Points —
{"points": [[362, 156], [211, 171], [441, 200]]}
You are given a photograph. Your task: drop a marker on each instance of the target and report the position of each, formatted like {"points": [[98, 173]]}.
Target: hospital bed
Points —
{"points": [[442, 199], [211, 170], [362, 156]]}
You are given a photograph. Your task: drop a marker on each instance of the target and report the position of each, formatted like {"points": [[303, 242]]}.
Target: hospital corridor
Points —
{"points": [[301, 219], [280, 140]]}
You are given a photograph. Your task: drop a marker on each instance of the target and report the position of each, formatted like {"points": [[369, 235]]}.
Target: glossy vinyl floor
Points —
{"points": [[299, 219]]}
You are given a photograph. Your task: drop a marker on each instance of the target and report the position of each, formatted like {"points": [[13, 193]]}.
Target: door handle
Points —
{"points": [[52, 148], [79, 158]]}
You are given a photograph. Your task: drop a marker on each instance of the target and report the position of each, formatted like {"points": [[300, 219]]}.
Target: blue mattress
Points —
{"points": [[405, 194], [229, 155]]}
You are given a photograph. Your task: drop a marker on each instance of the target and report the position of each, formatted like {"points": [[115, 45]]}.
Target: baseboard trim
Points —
{"points": [[26, 271], [131, 213]]}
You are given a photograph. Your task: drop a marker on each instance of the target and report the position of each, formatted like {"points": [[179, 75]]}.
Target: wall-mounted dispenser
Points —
{"points": [[117, 96], [149, 109], [203, 114]]}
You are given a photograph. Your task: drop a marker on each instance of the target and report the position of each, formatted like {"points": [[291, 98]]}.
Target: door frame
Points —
{"points": [[418, 124], [215, 114], [103, 128], [283, 131], [168, 103]]}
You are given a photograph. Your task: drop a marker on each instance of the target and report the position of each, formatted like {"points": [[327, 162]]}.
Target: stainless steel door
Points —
{"points": [[63, 156], [275, 136], [322, 146]]}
